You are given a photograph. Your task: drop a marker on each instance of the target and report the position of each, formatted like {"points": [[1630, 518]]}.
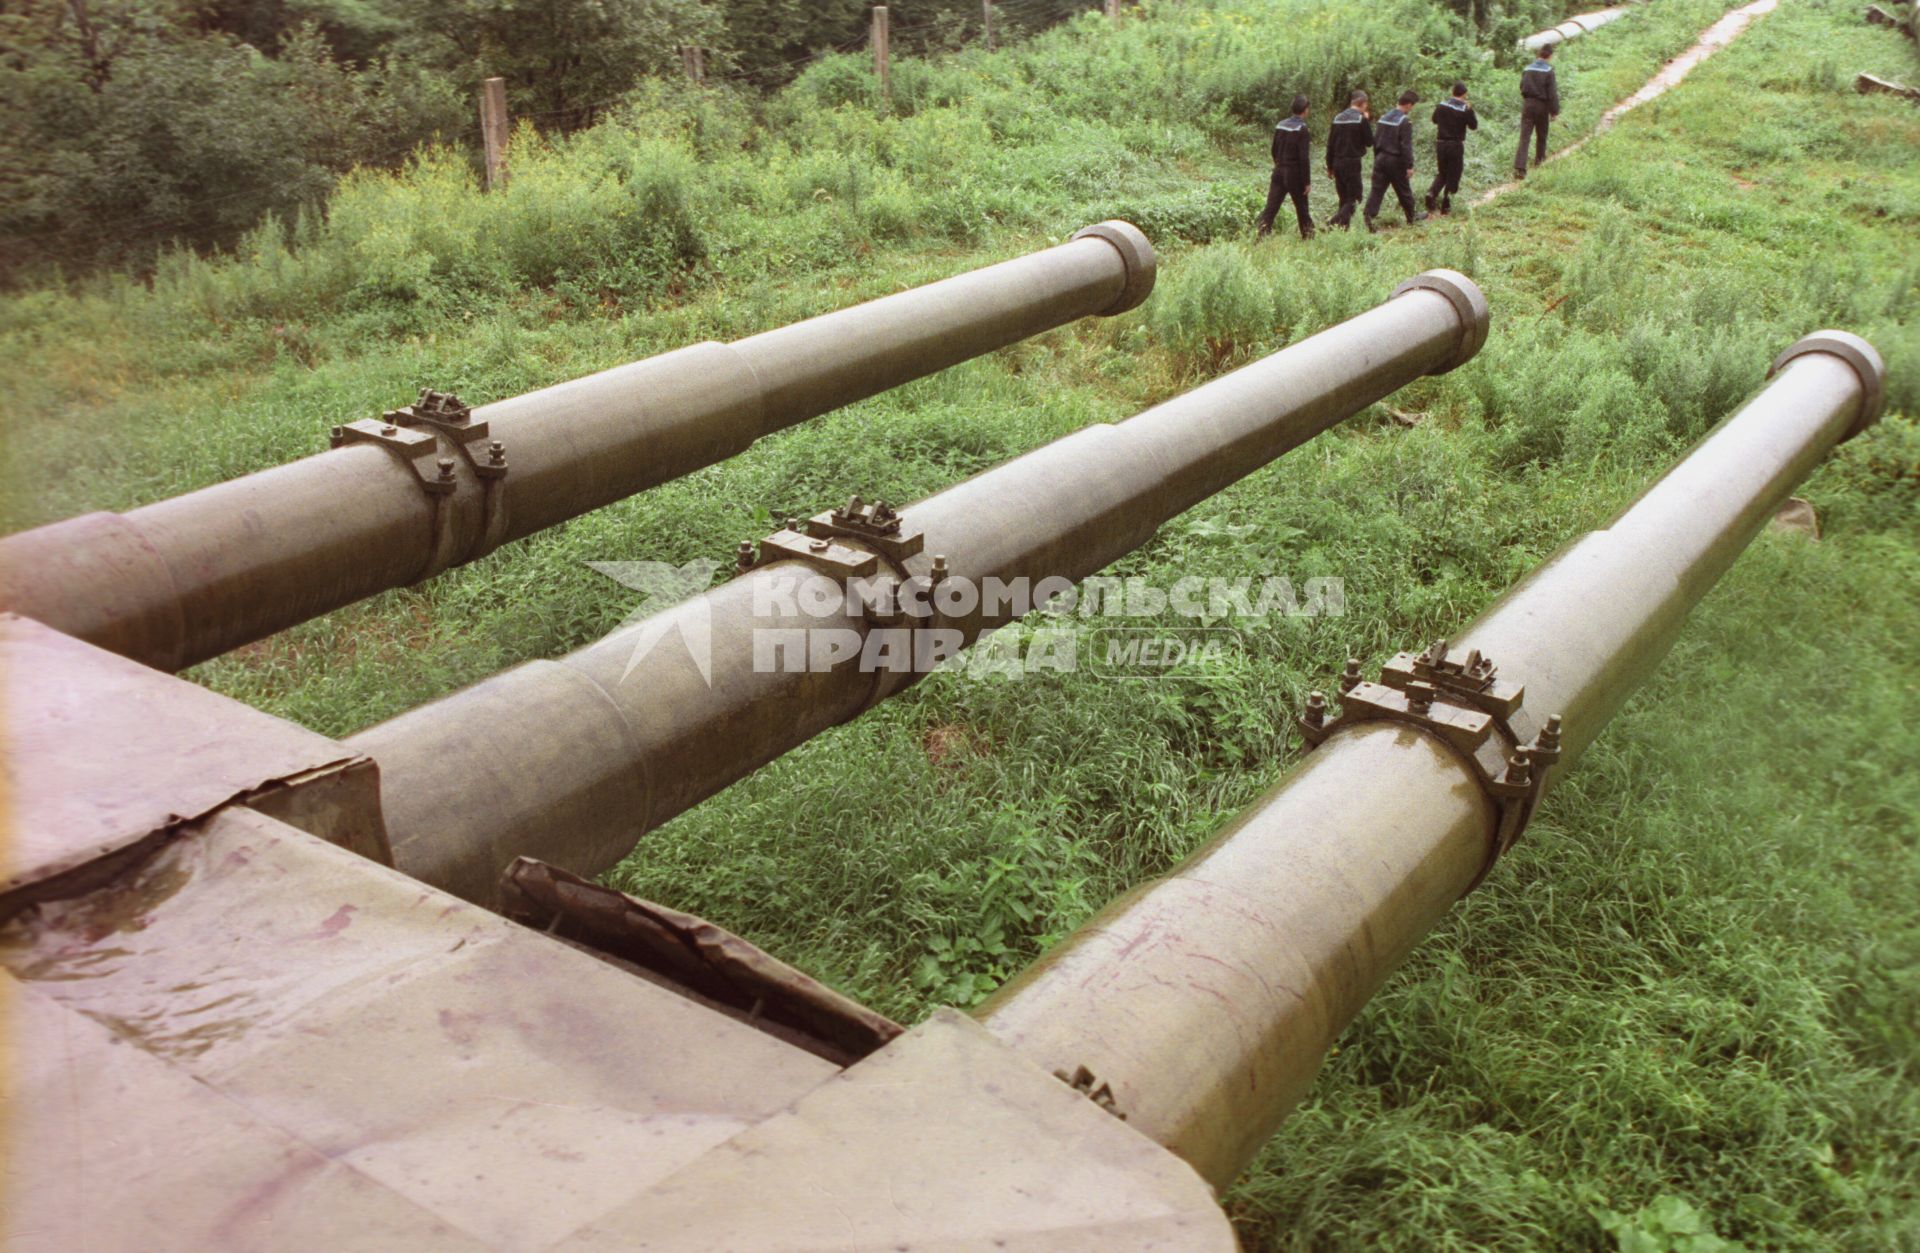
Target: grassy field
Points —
{"points": [[1686, 1010]]}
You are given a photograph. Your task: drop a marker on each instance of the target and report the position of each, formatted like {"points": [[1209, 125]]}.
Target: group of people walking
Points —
{"points": [[1353, 133]]}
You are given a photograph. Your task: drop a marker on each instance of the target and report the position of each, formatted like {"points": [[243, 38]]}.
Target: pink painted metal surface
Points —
{"points": [[945, 1139], [102, 754], [387, 1066], [257, 1040]]}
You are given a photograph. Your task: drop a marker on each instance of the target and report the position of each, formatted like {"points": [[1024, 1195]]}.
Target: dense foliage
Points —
{"points": [[1680, 1014]]}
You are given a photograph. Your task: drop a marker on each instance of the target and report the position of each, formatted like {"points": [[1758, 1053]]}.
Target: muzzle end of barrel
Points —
{"points": [[1136, 253], [1468, 302], [1856, 352]]}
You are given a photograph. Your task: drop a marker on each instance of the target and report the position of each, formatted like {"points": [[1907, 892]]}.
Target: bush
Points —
{"points": [[1212, 307]]}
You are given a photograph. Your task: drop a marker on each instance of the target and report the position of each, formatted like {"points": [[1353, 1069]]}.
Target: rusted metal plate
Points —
{"points": [[102, 753], [696, 954], [942, 1140], [503, 1085], [255, 1039]]}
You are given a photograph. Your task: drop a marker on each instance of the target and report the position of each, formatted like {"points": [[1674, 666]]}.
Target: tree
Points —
{"points": [[136, 129], [563, 60]]}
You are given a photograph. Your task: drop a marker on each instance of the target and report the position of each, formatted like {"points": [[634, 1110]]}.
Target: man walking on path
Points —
{"points": [[1539, 103], [1347, 142], [1452, 119], [1292, 170], [1393, 161]]}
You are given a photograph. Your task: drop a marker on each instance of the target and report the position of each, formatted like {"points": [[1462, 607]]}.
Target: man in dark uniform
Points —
{"points": [[1292, 170], [1393, 161], [1452, 119], [1539, 102], [1347, 142]]}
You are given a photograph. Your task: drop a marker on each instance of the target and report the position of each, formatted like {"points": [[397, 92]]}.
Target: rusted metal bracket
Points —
{"points": [[880, 526], [1087, 1084], [1467, 707], [881, 533], [440, 409], [418, 451], [696, 957]]}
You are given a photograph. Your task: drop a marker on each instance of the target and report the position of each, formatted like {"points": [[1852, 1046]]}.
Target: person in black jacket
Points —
{"points": [[1393, 161], [1539, 102], [1348, 139], [1452, 119], [1292, 170]]}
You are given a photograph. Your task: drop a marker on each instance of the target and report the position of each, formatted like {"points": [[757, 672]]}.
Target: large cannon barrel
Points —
{"points": [[1203, 1003], [434, 485], [572, 760]]}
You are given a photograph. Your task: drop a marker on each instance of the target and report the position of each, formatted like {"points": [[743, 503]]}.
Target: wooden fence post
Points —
{"points": [[880, 51], [986, 22], [694, 61], [1113, 11], [493, 130]]}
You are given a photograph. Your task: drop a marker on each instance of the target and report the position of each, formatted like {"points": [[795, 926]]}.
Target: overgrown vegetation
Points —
{"points": [[1682, 1012], [131, 126]]}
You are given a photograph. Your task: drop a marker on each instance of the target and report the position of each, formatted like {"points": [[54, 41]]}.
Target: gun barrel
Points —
{"points": [[401, 499], [572, 760], [1206, 1000], [1573, 28]]}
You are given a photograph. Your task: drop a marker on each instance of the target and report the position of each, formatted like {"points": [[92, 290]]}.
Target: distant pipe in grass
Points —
{"points": [[1202, 1004], [399, 500], [571, 761]]}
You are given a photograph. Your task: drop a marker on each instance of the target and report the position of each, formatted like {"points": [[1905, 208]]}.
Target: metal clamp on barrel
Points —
{"points": [[413, 433], [444, 414], [879, 533], [1467, 707]]}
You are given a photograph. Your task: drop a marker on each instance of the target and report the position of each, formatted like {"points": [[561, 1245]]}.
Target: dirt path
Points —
{"points": [[1712, 39]]}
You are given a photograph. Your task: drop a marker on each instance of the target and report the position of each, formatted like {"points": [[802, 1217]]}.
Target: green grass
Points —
{"points": [[1686, 1005]]}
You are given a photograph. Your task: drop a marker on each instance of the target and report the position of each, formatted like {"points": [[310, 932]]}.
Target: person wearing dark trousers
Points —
{"points": [[1348, 139], [1452, 119], [1292, 170], [1539, 104], [1393, 161]]}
